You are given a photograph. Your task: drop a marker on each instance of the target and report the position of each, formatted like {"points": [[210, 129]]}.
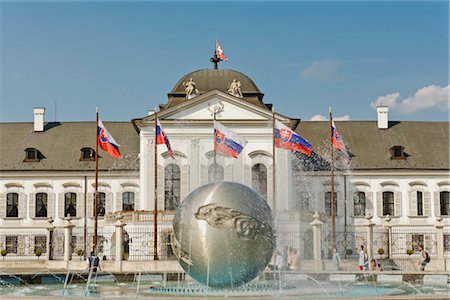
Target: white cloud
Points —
{"points": [[322, 70], [323, 118], [429, 97]]}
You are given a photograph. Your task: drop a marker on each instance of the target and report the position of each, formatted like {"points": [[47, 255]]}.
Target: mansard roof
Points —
{"points": [[426, 143], [61, 144]]}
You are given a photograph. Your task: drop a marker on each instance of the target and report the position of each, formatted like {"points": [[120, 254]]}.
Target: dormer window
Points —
{"points": [[87, 154], [33, 154], [398, 153]]}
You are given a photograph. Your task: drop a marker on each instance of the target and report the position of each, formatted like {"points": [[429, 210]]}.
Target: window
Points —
{"points": [[419, 203], [417, 239], [398, 153], [388, 203], [359, 204], [259, 180], [215, 173], [128, 201], [11, 243], [328, 203], [87, 154], [41, 205], [33, 154], [171, 187], [446, 242], [445, 203], [101, 200], [70, 204], [12, 205], [40, 243]]}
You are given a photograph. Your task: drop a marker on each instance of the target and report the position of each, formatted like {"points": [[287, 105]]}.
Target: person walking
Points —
{"points": [[94, 262], [336, 260], [424, 258], [363, 262]]}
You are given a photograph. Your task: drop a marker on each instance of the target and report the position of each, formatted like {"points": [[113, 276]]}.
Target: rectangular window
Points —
{"points": [[12, 205], [128, 201], [11, 243], [445, 203], [359, 204], [41, 205], [70, 204], [417, 239], [419, 203], [40, 243], [446, 242], [328, 203], [101, 200], [388, 203]]}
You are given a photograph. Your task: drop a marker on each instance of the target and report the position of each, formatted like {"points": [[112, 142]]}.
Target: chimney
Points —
{"points": [[382, 113], [39, 119]]}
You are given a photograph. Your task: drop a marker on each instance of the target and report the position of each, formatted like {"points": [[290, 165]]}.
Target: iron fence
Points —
{"points": [[28, 244], [405, 241]]}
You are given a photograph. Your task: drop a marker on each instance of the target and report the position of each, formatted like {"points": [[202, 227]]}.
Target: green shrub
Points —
{"points": [[4, 252], [381, 251], [80, 252], [409, 251], [348, 252], [38, 252]]}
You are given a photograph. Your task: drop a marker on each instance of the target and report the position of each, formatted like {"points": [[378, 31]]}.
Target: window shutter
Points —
{"points": [[437, 204], [379, 204], [184, 189], [80, 205], [20, 245], [109, 203], [426, 204], [160, 187], [413, 203], [61, 205], [340, 204], [51, 205], [90, 205], [137, 200], [369, 204], [23, 205], [397, 203], [119, 202], [2, 205], [32, 205]]}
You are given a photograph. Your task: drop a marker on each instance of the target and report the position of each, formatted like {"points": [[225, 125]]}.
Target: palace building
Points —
{"points": [[398, 174]]}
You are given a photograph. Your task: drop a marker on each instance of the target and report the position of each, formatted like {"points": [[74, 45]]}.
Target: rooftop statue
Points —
{"points": [[235, 89], [191, 90]]}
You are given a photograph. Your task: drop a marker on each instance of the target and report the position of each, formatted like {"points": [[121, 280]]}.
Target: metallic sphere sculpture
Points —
{"points": [[223, 234]]}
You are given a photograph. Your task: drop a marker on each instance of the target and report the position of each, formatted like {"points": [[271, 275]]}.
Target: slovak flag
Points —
{"points": [[106, 141], [337, 141], [161, 138], [226, 141], [286, 138], [219, 52]]}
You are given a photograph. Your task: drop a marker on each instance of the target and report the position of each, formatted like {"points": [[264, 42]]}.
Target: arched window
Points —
{"points": [[12, 205], [171, 187], [259, 180], [70, 204], [101, 200], [388, 203], [215, 173], [359, 204], [41, 205], [128, 201], [444, 198], [328, 203]]}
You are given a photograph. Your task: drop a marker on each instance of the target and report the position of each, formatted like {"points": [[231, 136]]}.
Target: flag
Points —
{"points": [[286, 138], [161, 138], [106, 141], [219, 52], [337, 141], [226, 141]]}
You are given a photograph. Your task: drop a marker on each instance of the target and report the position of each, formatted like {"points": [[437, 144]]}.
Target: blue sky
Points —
{"points": [[124, 57]]}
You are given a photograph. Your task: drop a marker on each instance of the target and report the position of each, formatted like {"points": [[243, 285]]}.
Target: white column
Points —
{"points": [[440, 243], [369, 232], [49, 241], [67, 240], [119, 242], [317, 237]]}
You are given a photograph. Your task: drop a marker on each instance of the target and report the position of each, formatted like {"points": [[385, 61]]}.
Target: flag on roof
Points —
{"points": [[161, 138], [227, 141], [106, 141], [219, 52], [337, 141], [288, 139]]}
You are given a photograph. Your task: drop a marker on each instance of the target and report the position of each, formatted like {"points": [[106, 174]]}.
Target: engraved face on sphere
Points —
{"points": [[223, 234]]}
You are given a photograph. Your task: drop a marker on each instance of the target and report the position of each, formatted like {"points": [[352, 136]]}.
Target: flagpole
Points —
{"points": [[214, 142], [333, 225], [155, 208], [94, 245], [273, 162]]}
